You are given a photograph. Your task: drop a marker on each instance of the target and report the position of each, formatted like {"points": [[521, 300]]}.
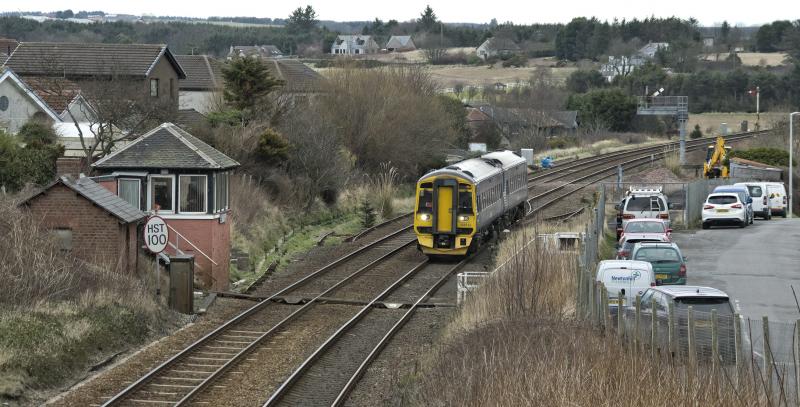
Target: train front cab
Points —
{"points": [[444, 216]]}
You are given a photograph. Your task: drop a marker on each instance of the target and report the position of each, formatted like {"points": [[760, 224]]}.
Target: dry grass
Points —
{"points": [[600, 147], [753, 58], [710, 122], [450, 75], [672, 160], [384, 189]]}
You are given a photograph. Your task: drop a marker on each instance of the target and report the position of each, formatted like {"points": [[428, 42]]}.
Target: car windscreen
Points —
{"points": [[658, 255], [723, 199], [705, 304], [645, 227], [755, 191], [643, 203]]}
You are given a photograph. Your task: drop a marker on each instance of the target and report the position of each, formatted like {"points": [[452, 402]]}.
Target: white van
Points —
{"points": [[758, 191], [777, 198], [633, 276]]}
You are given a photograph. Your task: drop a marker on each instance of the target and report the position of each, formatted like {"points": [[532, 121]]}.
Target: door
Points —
{"points": [[444, 209]]}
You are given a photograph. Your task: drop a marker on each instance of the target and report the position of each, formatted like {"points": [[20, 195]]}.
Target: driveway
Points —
{"points": [[757, 266]]}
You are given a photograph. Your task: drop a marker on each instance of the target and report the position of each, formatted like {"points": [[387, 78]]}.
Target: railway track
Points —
{"points": [[628, 159], [187, 374], [329, 373]]}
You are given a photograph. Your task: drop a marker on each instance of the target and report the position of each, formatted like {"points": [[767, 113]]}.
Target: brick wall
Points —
{"points": [[213, 239], [68, 166], [97, 236]]}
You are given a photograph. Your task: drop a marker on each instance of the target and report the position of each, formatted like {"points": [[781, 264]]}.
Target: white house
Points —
{"points": [[400, 43], [19, 103], [354, 45], [497, 46], [620, 66], [202, 88], [649, 50]]}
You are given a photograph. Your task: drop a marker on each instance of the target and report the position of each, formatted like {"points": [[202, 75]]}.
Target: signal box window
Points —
{"points": [[161, 193], [193, 193]]}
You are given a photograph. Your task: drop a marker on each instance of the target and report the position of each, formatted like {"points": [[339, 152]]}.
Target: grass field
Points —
{"points": [[712, 121], [450, 75], [753, 58]]}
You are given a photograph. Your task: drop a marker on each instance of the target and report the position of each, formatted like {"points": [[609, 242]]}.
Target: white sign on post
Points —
{"points": [[156, 234]]}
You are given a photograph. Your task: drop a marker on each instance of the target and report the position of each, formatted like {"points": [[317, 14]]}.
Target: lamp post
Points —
{"points": [[791, 168]]}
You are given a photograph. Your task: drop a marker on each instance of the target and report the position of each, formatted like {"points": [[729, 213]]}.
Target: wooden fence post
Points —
{"points": [[592, 305], [690, 338], [714, 341], [673, 352], [737, 345], [767, 356], [637, 332], [606, 313], [653, 327], [620, 316]]}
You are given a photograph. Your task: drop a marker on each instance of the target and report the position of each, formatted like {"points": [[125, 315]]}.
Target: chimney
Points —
{"points": [[69, 166]]}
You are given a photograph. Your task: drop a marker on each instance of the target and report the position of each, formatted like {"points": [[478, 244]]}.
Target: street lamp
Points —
{"points": [[791, 169]]}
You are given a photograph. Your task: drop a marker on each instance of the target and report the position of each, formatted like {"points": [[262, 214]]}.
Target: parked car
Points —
{"points": [[702, 300], [724, 208], [642, 203], [668, 262], [626, 277], [744, 197], [761, 202], [626, 243], [777, 198], [647, 227]]}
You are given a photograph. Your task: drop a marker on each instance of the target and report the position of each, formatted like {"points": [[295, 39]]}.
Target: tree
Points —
{"points": [[427, 20], [37, 134], [604, 107], [302, 20], [273, 147], [35, 163], [582, 81], [248, 83], [696, 133]]}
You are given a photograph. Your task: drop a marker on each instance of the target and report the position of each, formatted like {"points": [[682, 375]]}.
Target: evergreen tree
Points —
{"points": [[302, 20], [367, 214], [248, 82], [427, 20]]}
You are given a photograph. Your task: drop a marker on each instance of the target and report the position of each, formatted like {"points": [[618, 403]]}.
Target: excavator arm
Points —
{"points": [[715, 159]]}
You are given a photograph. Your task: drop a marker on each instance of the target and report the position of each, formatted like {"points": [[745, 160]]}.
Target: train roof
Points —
{"points": [[477, 169]]}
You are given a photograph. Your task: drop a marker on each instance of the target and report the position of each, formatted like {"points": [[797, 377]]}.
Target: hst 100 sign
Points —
{"points": [[156, 234]]}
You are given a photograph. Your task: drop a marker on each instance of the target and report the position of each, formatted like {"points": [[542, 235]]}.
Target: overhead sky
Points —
{"points": [[708, 12]]}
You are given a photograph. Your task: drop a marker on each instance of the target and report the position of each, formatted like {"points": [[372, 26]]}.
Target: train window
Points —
{"points": [[425, 200], [426, 185], [464, 202]]}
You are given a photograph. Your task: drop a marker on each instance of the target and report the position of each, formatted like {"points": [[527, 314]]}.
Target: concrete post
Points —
{"points": [[737, 344], [673, 353], [682, 124], [797, 362]]}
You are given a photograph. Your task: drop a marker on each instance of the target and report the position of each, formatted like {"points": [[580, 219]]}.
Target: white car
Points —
{"points": [[626, 277], [724, 208], [761, 202], [777, 198], [642, 203]]}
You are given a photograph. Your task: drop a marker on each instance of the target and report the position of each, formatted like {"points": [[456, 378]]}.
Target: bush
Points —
{"points": [[608, 107], [770, 156], [34, 163], [696, 133], [273, 147], [516, 61]]}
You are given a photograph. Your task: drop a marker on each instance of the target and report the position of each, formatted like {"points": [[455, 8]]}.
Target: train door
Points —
{"points": [[445, 193]]}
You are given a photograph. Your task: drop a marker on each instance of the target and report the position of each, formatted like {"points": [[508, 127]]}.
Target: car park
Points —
{"points": [[761, 201], [744, 198], [668, 262], [627, 278], [641, 203], [702, 300], [777, 198], [724, 209]]}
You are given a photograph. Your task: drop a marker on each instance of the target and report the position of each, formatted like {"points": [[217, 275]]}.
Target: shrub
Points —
{"points": [[367, 213], [273, 147], [767, 155], [516, 61], [696, 133]]}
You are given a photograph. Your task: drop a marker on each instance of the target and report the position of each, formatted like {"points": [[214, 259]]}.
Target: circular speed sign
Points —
{"points": [[156, 234]]}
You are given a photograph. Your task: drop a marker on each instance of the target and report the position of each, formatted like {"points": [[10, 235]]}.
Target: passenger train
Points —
{"points": [[460, 206]]}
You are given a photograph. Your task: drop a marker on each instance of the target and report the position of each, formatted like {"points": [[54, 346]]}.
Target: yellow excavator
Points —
{"points": [[717, 164]]}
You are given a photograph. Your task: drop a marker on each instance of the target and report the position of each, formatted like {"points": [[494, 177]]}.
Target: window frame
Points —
{"points": [[156, 89], [138, 190], [227, 191], [205, 194], [150, 202]]}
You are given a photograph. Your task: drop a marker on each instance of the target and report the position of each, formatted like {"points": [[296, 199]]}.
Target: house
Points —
{"points": [[620, 66], [354, 45], [202, 88], [7, 46], [649, 51], [186, 181], [300, 82], [708, 42], [513, 122], [497, 47], [148, 71], [258, 51], [400, 43], [89, 221], [19, 104]]}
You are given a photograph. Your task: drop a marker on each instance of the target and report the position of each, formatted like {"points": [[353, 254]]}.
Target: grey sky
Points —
{"points": [[518, 11]]}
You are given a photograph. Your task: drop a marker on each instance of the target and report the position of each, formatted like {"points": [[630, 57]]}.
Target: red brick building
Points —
{"points": [[89, 221], [187, 181]]}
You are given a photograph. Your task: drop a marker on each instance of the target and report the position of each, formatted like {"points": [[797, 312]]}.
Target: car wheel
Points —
{"points": [[705, 225], [783, 215], [743, 224]]}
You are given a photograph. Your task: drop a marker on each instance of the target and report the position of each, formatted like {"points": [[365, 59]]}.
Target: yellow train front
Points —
{"points": [[460, 206]]}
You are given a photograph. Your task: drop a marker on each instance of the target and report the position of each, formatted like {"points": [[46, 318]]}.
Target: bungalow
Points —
{"points": [[299, 81], [354, 45], [400, 43], [202, 87], [184, 180], [497, 47]]}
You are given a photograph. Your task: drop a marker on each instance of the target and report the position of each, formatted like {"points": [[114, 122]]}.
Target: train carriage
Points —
{"points": [[460, 205]]}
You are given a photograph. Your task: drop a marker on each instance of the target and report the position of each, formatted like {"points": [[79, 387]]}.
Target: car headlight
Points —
{"points": [[424, 217], [463, 218]]}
